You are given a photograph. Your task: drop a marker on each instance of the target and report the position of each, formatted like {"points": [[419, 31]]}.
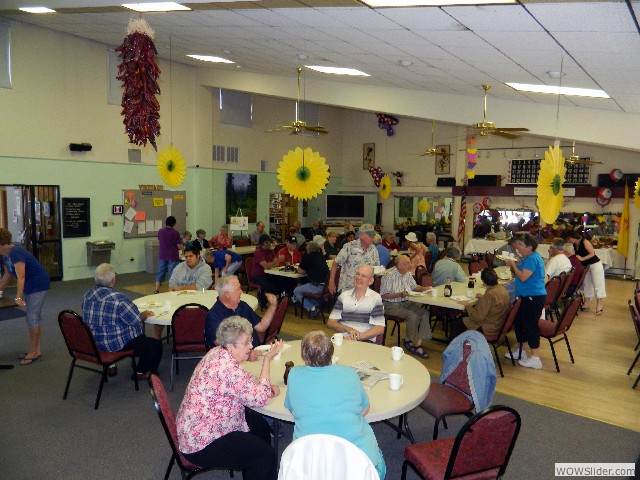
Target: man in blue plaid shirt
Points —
{"points": [[117, 324]]}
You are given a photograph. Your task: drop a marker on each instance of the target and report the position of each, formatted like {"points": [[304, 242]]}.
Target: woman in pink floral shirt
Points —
{"points": [[223, 240], [214, 427]]}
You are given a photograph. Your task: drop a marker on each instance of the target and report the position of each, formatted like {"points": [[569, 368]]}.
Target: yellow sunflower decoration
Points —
{"points": [[171, 166], [424, 206], [385, 187], [550, 180], [636, 196], [303, 174]]}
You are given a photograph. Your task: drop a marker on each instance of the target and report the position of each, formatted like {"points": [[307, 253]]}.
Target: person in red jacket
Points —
{"points": [[289, 253]]}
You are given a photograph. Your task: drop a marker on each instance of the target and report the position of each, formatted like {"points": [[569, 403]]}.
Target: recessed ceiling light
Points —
{"points": [[156, 7], [576, 92], [302, 56], [226, 52], [430, 3], [208, 58], [37, 10], [405, 63], [555, 74], [337, 70]]}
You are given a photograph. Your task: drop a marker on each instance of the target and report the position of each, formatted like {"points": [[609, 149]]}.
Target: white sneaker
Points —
{"points": [[516, 354], [531, 362]]}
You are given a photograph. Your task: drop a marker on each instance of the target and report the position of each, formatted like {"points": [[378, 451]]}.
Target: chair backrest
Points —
{"points": [[377, 280], [276, 322], [509, 318], [427, 258], [248, 268], [243, 242], [477, 266], [635, 316], [426, 280], [78, 337], [497, 426], [567, 317], [187, 324], [553, 288], [168, 419], [325, 457], [568, 278], [420, 271], [580, 281], [490, 257], [459, 377]]}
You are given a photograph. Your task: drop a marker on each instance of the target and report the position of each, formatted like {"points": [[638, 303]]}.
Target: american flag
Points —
{"points": [[463, 216]]}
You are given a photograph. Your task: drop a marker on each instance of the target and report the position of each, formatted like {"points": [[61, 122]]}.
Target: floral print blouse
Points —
{"points": [[214, 402], [221, 242]]}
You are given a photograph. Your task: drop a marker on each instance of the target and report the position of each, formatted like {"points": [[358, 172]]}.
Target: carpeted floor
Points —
{"points": [[44, 437], [10, 313]]}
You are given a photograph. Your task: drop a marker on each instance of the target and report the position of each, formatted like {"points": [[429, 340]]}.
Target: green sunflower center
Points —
{"points": [[171, 165], [303, 174], [556, 184]]}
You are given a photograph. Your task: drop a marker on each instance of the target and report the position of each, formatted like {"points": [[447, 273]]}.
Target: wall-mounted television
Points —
{"points": [[343, 207]]}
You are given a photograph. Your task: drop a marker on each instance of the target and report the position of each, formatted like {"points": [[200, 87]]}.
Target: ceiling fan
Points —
{"points": [[433, 150], [299, 126], [485, 128], [574, 159]]}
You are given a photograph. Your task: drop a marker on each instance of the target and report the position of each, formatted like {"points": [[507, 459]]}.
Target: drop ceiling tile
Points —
{"points": [[367, 18], [583, 16], [497, 18], [627, 43], [311, 17], [422, 19]]}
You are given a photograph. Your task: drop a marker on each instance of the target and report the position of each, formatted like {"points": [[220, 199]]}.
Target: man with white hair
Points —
{"points": [[558, 261], [117, 324], [358, 252]]}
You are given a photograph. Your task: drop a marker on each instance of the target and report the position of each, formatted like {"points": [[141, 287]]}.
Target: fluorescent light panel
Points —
{"points": [[431, 3], [156, 7], [576, 92], [36, 10], [208, 58], [337, 70]]}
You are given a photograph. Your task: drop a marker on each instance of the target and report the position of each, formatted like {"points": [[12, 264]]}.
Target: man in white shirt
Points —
{"points": [[558, 261]]}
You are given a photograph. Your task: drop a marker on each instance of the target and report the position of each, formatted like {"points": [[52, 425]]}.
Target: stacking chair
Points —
{"points": [[489, 257], [466, 455], [420, 271], [580, 281], [636, 323], [477, 264], [276, 322], [501, 338], [248, 268], [567, 279], [82, 346], [188, 334], [427, 260], [396, 324], [553, 289], [552, 330], [168, 420], [243, 242], [325, 457]]}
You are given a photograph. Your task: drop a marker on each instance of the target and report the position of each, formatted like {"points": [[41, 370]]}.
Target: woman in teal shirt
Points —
{"points": [[529, 275], [329, 399]]}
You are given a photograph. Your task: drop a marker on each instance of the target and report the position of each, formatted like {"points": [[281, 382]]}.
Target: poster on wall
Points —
{"points": [[242, 196]]}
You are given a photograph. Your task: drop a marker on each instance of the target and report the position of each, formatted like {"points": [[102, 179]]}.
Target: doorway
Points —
{"points": [[32, 214]]}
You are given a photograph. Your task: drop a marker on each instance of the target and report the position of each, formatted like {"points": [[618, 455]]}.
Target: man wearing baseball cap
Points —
{"points": [[358, 252]]}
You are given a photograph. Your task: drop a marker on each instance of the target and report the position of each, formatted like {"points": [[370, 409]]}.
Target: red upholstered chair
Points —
{"points": [[552, 330], [490, 257], [427, 260], [553, 289], [501, 338], [451, 397], [248, 268], [276, 322], [187, 324], [168, 420], [82, 346], [480, 451], [420, 271], [578, 286], [567, 278], [477, 265], [243, 242], [636, 322], [396, 324]]}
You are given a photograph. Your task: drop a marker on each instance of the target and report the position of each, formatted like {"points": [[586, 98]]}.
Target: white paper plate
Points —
{"points": [[266, 348], [458, 298], [418, 294], [150, 305]]}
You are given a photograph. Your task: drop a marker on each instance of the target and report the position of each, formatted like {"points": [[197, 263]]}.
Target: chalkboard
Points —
{"points": [[525, 171], [145, 211], [76, 217]]}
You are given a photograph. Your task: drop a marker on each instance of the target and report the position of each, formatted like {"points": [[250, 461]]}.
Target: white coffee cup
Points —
{"points": [[396, 353], [337, 339], [233, 247], [395, 381], [434, 293]]}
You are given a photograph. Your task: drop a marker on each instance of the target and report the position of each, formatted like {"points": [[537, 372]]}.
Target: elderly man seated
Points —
{"points": [[117, 324], [558, 261], [192, 274], [229, 303], [358, 311], [488, 312], [394, 290], [448, 267]]}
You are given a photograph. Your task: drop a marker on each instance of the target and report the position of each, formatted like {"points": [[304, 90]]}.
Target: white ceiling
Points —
{"points": [[454, 50]]}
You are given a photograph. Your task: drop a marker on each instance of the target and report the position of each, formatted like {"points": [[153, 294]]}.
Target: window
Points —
{"points": [[236, 108]]}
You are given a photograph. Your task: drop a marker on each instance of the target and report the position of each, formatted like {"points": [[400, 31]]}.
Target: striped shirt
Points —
{"points": [[359, 314], [394, 282]]}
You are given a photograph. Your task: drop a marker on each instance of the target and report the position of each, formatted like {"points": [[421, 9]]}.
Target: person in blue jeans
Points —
{"points": [[168, 253], [314, 266]]}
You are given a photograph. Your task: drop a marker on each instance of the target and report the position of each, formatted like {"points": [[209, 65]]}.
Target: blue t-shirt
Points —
{"points": [[219, 312], [534, 285], [383, 254], [330, 400], [220, 261], [36, 278]]}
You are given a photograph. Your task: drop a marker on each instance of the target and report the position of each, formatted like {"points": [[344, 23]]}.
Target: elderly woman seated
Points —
{"points": [[222, 240], [215, 429], [329, 399]]}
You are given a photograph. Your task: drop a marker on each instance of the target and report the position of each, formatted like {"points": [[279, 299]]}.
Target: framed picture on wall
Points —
{"points": [[443, 159], [368, 155]]}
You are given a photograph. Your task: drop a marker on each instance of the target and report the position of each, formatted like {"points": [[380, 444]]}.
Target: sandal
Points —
{"points": [[418, 351], [599, 311], [28, 361]]}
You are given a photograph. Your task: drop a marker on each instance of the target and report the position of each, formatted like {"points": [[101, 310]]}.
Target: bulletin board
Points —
{"points": [[145, 211]]}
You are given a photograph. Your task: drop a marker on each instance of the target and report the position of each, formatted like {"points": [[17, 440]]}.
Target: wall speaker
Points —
{"points": [[80, 147], [485, 181], [446, 182]]}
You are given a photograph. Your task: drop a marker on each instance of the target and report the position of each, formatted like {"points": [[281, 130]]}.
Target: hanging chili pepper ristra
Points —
{"points": [[139, 74]]}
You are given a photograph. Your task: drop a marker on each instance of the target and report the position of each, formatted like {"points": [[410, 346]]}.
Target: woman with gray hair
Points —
{"points": [[223, 240], [432, 247], [314, 266], [330, 399], [215, 427]]}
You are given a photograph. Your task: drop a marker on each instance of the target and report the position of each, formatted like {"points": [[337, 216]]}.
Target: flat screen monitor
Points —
{"points": [[343, 207]]}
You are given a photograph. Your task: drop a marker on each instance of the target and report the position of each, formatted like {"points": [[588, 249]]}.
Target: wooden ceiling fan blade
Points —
{"points": [[314, 128], [512, 129], [502, 133]]}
